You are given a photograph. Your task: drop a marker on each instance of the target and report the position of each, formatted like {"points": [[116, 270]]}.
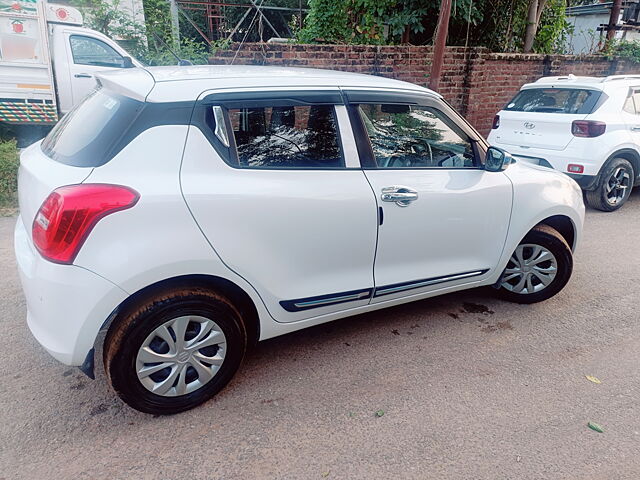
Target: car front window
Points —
{"points": [[409, 136]]}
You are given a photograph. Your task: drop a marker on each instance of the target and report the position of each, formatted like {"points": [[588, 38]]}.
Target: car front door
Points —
{"points": [[273, 180], [444, 219]]}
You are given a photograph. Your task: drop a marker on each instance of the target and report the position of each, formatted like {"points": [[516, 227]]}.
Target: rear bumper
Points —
{"points": [[66, 304], [559, 159]]}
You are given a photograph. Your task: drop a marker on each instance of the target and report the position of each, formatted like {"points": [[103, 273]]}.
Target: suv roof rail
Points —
{"points": [[619, 77], [568, 78]]}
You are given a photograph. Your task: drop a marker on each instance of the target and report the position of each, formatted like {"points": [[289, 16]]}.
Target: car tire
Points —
{"points": [[196, 335], [552, 263], [614, 186]]}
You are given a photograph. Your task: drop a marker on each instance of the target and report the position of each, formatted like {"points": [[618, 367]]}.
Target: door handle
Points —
{"points": [[82, 75], [635, 128], [401, 196]]}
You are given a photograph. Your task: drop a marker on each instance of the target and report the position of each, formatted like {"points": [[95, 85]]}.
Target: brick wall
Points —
{"points": [[475, 81]]}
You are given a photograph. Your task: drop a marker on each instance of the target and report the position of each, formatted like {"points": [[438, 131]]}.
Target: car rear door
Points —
{"points": [[273, 180], [444, 218]]}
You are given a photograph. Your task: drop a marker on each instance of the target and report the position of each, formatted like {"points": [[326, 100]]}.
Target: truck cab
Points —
{"points": [[48, 61], [78, 54]]}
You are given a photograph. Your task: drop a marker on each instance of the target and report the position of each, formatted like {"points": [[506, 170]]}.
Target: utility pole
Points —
{"points": [[175, 24], [440, 43], [613, 19], [300, 13]]}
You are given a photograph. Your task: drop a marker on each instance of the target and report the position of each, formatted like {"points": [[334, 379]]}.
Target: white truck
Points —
{"points": [[47, 64]]}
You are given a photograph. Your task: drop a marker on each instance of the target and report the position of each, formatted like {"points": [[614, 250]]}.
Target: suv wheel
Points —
{"points": [[614, 186], [175, 351], [538, 269]]}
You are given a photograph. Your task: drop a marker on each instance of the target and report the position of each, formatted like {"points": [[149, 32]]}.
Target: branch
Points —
{"points": [[541, 5]]}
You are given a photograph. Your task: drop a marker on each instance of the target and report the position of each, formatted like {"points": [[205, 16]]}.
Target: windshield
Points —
{"points": [[555, 100], [86, 135]]}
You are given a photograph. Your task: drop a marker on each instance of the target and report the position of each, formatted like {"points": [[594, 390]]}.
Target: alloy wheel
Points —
{"points": [[617, 185], [531, 269], [181, 355]]}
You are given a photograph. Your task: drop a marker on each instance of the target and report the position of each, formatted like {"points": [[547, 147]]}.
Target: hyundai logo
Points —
{"points": [[529, 125]]}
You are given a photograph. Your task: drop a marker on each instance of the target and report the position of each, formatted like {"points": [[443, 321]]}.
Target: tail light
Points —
{"points": [[69, 213], [575, 168], [496, 122], [587, 128]]}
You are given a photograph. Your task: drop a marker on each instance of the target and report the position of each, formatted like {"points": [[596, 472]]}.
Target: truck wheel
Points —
{"points": [[174, 351], [539, 267], [614, 186]]}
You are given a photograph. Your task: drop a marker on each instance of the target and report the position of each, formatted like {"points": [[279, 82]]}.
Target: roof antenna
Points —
{"points": [[181, 62]]}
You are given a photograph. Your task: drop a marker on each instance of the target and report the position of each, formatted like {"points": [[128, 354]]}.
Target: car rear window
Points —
{"points": [[86, 135], [555, 100]]}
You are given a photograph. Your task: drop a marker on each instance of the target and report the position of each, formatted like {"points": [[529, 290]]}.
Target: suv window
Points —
{"points": [[87, 134], [632, 104], [295, 136], [555, 100], [91, 51], [404, 136]]}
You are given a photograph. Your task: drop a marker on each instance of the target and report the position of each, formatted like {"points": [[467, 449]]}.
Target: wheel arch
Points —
{"points": [[628, 154], [241, 300], [564, 226]]}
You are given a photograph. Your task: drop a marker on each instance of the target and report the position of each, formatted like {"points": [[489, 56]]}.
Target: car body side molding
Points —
{"points": [[335, 298]]}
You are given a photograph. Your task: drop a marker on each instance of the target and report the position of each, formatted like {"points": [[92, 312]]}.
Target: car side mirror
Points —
{"points": [[127, 62], [497, 160]]}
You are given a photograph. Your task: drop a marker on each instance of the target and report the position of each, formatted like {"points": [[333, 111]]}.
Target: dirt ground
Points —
{"points": [[466, 386]]}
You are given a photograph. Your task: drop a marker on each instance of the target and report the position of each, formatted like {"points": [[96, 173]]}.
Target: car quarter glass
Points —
{"points": [[411, 136], [632, 103]]}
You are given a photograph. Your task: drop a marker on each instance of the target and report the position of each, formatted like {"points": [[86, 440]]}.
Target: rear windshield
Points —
{"points": [[555, 100], [86, 135]]}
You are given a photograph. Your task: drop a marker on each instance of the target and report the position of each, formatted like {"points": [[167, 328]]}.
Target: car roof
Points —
{"points": [[186, 83], [593, 83]]}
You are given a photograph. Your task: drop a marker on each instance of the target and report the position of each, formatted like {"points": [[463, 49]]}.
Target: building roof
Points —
{"points": [[594, 9], [179, 83]]}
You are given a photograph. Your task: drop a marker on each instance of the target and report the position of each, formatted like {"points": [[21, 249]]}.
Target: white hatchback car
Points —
{"points": [[587, 127], [192, 211]]}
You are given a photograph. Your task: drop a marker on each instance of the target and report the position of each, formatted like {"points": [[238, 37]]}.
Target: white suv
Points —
{"points": [[193, 211], [587, 127]]}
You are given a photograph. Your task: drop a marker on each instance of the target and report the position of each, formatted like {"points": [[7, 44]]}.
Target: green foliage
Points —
{"points": [[378, 21], [110, 18], [194, 51], [151, 43], [157, 20], [9, 163], [496, 24], [554, 28], [326, 23], [626, 50]]}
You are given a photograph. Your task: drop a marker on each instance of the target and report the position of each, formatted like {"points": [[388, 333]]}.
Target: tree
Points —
{"points": [[533, 20], [500, 25]]}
